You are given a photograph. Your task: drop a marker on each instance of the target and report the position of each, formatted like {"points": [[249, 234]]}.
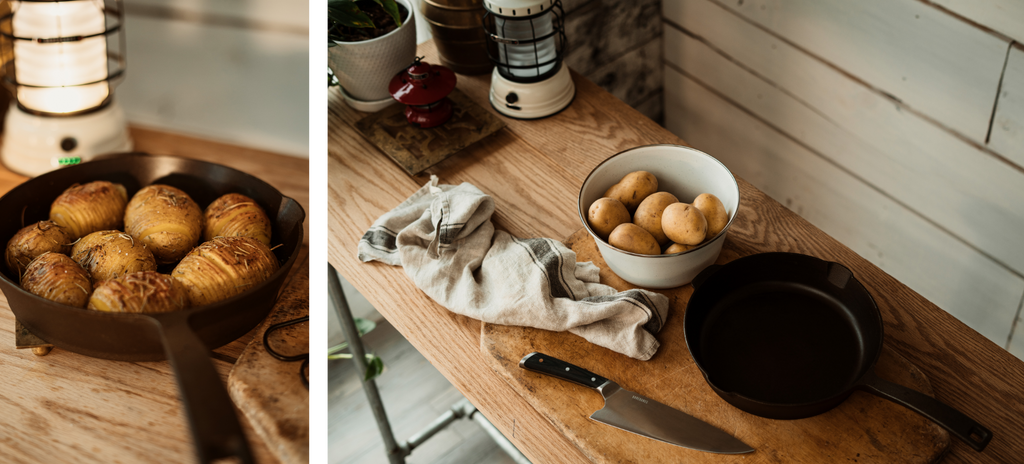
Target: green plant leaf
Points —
{"points": [[347, 13], [374, 366], [364, 326], [338, 348], [391, 7]]}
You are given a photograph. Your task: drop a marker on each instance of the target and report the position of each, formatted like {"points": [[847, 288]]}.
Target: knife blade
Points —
{"points": [[638, 414]]}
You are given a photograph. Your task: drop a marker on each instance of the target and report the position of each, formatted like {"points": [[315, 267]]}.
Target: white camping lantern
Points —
{"points": [[64, 58], [527, 40]]}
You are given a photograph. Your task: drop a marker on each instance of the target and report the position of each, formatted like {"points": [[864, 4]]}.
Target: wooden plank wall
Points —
{"points": [[896, 126], [232, 70]]}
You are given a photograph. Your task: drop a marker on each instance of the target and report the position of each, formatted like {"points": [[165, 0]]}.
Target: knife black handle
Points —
{"points": [[540, 362]]}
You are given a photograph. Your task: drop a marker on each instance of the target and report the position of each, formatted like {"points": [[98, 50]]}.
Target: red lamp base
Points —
{"points": [[428, 116]]}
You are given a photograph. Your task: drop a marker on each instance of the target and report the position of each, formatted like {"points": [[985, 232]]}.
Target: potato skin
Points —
{"points": [[58, 278], [166, 220], [648, 214], [108, 254], [714, 211], [678, 248], [224, 267], [236, 215], [86, 208], [684, 224], [34, 240], [633, 188], [605, 215], [631, 237], [140, 292]]}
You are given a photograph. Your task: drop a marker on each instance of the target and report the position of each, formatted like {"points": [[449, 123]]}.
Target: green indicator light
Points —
{"points": [[68, 161]]}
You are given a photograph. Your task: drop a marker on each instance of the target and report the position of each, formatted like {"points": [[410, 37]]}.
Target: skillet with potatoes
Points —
{"points": [[116, 329]]}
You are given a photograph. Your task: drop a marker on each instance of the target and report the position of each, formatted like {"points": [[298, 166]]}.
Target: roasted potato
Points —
{"points": [[86, 208], [224, 267], [648, 214], [236, 215], [34, 240], [109, 254], [633, 188], [714, 211], [56, 277], [140, 292], [684, 224], [605, 214], [166, 220], [631, 237]]}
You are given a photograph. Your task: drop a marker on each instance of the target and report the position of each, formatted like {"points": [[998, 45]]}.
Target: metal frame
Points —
{"points": [[396, 451]]}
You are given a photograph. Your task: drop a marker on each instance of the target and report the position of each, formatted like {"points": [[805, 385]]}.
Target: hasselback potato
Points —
{"points": [[108, 254], [140, 292], [34, 240], [166, 220], [236, 215], [224, 267], [56, 277], [86, 208]]}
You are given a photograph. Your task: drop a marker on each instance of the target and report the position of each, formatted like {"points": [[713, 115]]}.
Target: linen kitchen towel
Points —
{"points": [[444, 239]]}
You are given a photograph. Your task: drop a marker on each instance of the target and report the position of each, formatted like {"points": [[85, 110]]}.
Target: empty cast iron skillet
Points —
{"points": [[183, 337], [788, 336]]}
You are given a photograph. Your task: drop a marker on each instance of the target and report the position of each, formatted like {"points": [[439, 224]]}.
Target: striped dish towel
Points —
{"points": [[444, 239]]}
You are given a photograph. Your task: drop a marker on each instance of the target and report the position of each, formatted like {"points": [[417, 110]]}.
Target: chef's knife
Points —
{"points": [[638, 414]]}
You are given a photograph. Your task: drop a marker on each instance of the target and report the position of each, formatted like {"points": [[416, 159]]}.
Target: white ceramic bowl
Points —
{"points": [[681, 171]]}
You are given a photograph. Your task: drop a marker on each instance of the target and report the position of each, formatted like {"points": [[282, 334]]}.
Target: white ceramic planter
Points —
{"points": [[365, 68]]}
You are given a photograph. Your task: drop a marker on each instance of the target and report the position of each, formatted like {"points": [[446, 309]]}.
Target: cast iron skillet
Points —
{"points": [[183, 337], [788, 336]]}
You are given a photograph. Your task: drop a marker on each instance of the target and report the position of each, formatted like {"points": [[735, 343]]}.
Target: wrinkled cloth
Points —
{"points": [[444, 239]]}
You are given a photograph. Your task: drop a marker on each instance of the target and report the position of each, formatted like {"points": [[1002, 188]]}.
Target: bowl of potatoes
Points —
{"points": [[659, 213]]}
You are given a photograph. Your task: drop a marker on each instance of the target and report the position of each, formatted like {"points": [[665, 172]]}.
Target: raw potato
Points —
{"points": [[57, 278], [224, 267], [714, 211], [678, 248], [633, 188], [83, 209], [684, 224], [236, 215], [605, 215], [109, 254], [631, 237], [166, 220], [140, 292], [648, 214], [34, 240]]}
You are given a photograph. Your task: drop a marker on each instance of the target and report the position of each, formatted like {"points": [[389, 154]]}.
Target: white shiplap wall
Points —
{"points": [[871, 120], [230, 70]]}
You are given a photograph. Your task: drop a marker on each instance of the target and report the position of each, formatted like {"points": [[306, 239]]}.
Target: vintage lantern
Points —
{"points": [[527, 40], [63, 59], [424, 88]]}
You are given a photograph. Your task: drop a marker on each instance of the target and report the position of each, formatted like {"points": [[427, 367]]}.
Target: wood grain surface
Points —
{"points": [[65, 407], [864, 428], [533, 169]]}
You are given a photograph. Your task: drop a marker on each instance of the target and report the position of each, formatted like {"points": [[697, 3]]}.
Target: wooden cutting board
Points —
{"points": [[863, 429], [269, 391]]}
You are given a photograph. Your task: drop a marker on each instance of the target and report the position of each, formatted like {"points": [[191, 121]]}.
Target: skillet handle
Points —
{"points": [[956, 422], [216, 431]]}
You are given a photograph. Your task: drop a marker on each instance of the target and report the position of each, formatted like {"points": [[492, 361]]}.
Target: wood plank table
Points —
{"points": [[65, 407], [533, 169]]}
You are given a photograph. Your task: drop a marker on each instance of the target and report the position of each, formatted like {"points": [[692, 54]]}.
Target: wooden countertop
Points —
{"points": [[533, 169], [65, 407]]}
